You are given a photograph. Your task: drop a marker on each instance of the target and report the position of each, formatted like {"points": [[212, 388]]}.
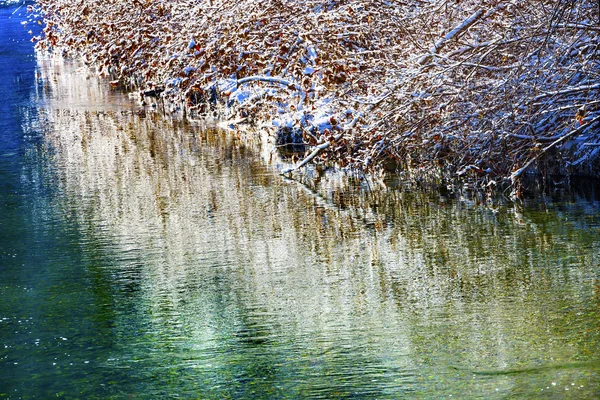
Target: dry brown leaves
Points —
{"points": [[467, 89]]}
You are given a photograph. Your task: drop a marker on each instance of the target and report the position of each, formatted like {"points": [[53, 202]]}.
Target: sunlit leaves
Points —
{"points": [[471, 99]]}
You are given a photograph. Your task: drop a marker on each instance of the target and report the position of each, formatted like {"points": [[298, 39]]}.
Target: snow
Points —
{"points": [[447, 86]]}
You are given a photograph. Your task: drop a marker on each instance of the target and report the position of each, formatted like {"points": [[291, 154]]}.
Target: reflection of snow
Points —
{"points": [[223, 250]]}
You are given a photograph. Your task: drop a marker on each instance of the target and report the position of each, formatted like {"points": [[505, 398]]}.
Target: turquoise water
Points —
{"points": [[147, 257]]}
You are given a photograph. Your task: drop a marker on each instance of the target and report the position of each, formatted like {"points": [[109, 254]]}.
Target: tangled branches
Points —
{"points": [[477, 90]]}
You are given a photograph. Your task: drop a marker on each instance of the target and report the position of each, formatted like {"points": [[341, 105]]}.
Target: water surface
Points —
{"points": [[149, 257]]}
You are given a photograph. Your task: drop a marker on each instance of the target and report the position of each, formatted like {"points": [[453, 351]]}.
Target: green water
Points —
{"points": [[145, 257]]}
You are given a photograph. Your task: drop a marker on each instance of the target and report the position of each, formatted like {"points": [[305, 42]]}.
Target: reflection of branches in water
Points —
{"points": [[206, 220], [179, 174]]}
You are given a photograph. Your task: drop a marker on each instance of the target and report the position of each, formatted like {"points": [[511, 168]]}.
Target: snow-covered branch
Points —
{"points": [[439, 45], [419, 86], [592, 124], [318, 149], [270, 79]]}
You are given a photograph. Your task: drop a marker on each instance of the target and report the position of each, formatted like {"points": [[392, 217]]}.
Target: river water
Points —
{"points": [[148, 257]]}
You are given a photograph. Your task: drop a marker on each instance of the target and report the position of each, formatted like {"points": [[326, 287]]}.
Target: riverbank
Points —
{"points": [[477, 92], [147, 257]]}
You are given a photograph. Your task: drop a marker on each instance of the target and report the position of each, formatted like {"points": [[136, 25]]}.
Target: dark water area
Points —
{"points": [[149, 257]]}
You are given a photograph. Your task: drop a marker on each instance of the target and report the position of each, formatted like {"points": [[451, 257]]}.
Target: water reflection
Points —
{"points": [[221, 279]]}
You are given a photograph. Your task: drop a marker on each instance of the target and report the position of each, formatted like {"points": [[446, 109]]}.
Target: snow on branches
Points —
{"points": [[466, 89]]}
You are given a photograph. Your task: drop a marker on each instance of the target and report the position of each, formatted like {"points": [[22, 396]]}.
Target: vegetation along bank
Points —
{"points": [[479, 91]]}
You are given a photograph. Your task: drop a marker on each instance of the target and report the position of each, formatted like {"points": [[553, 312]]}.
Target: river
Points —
{"points": [[150, 257]]}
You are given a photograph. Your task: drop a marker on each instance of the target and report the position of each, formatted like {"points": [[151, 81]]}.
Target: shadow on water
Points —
{"points": [[156, 257]]}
